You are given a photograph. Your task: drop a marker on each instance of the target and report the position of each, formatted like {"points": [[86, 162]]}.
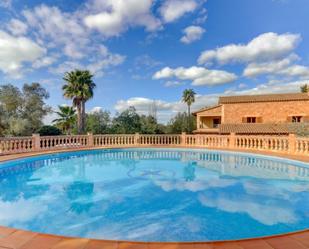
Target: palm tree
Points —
{"points": [[304, 88], [66, 118], [188, 97], [79, 87]]}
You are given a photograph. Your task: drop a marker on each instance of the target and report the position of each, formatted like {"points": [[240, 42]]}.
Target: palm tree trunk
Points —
{"points": [[189, 112], [79, 118], [83, 117]]}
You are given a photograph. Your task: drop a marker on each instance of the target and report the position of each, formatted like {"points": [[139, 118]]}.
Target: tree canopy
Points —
{"points": [[79, 87], [22, 111]]}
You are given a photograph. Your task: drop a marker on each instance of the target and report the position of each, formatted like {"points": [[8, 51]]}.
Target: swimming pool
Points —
{"points": [[155, 195]]}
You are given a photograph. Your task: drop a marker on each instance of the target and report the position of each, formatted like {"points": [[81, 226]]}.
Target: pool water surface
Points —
{"points": [[155, 195]]}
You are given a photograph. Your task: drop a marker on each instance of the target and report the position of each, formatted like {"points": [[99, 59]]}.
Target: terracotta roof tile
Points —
{"points": [[206, 108], [263, 128], [264, 98]]}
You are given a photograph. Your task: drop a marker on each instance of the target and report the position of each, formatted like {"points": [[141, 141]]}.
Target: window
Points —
{"points": [[216, 122], [251, 119], [296, 119]]}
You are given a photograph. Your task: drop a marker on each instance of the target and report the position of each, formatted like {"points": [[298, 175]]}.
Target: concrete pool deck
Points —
{"points": [[19, 239]]}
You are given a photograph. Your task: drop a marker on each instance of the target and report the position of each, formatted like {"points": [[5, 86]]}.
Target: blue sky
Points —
{"points": [[146, 52]]}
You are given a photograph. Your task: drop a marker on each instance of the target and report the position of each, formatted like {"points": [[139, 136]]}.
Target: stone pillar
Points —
{"points": [[36, 142], [198, 122], [183, 139], [136, 139], [232, 142], [90, 140], [292, 143]]}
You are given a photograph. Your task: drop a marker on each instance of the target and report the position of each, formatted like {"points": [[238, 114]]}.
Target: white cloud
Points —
{"points": [[278, 67], [171, 10], [58, 29], [45, 61], [142, 104], [11, 213], [17, 27], [198, 75], [6, 3], [173, 83], [283, 67], [113, 17], [68, 41], [265, 47], [15, 51], [96, 109], [96, 67], [192, 33], [270, 214]]}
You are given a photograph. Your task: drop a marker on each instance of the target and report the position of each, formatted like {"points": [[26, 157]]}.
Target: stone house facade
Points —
{"points": [[255, 114]]}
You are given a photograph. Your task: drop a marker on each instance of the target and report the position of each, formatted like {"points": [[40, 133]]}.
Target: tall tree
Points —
{"points": [[304, 88], [179, 123], [188, 97], [98, 122], [79, 87], [127, 122], [66, 119], [34, 107], [22, 112]]}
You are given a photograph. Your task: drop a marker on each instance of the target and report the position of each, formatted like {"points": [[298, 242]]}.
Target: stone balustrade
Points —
{"points": [[281, 144]]}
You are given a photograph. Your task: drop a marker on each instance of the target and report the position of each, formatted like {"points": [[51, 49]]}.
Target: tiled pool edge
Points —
{"points": [[19, 239]]}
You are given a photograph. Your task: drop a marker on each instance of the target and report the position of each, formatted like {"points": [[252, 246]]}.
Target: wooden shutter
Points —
{"points": [[259, 120]]}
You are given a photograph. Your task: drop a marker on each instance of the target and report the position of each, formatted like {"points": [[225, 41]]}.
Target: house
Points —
{"points": [[255, 114]]}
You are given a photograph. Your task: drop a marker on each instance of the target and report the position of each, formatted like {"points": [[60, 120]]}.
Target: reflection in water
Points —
{"points": [[155, 195], [189, 172], [80, 193]]}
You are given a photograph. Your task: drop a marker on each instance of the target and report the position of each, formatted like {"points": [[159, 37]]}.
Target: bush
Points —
{"points": [[49, 130]]}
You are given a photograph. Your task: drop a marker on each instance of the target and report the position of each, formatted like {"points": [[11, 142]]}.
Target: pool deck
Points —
{"points": [[19, 239]]}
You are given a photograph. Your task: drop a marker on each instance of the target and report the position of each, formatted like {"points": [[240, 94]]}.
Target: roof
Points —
{"points": [[206, 109], [264, 98], [263, 128]]}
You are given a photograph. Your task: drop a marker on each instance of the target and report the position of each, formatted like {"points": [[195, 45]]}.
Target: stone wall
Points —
{"points": [[271, 112]]}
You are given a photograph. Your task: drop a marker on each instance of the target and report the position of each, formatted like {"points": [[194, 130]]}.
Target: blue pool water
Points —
{"points": [[155, 195]]}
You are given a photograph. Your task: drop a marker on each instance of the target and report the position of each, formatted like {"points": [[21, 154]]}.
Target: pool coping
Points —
{"points": [[11, 238]]}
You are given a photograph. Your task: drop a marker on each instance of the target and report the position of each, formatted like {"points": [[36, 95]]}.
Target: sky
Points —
{"points": [[144, 53]]}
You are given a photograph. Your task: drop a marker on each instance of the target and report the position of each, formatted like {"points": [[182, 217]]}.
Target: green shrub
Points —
{"points": [[49, 130]]}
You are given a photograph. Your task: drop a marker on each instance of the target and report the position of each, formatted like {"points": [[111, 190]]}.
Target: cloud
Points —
{"points": [[6, 3], [58, 29], [173, 83], [15, 52], [113, 17], [199, 76], [17, 27], [142, 104], [191, 34], [45, 61], [96, 67], [68, 42], [265, 47], [270, 214], [171, 10], [278, 67], [96, 109], [12, 214]]}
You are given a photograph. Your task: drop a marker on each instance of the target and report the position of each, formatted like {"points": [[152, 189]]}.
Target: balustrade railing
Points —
{"points": [[281, 144], [63, 142]]}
